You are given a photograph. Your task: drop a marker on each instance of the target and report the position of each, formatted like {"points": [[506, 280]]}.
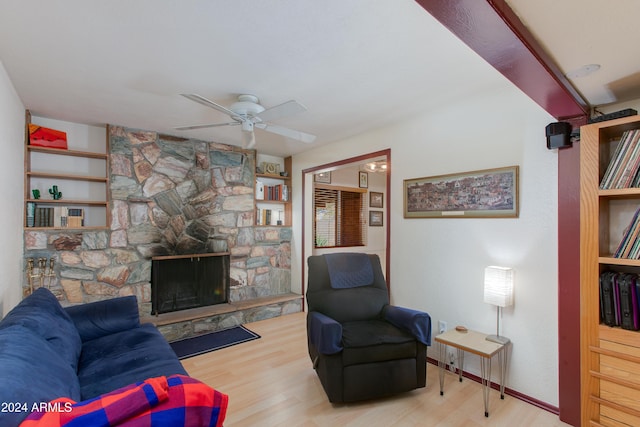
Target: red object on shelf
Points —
{"points": [[45, 137]]}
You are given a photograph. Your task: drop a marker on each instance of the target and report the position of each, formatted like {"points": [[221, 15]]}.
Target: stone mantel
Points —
{"points": [[204, 255], [168, 196]]}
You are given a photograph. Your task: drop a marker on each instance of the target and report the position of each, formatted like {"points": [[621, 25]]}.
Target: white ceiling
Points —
{"points": [[355, 64], [583, 32]]}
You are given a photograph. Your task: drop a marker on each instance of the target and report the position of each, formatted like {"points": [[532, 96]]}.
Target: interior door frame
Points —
{"points": [[387, 209]]}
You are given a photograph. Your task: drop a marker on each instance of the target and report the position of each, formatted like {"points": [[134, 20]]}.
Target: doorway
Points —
{"points": [[370, 174]]}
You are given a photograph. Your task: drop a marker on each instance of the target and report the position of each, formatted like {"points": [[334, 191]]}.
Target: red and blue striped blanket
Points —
{"points": [[157, 402]]}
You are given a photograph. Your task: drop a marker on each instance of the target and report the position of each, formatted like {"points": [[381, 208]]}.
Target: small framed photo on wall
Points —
{"points": [[376, 200], [322, 177], [375, 218], [364, 180]]}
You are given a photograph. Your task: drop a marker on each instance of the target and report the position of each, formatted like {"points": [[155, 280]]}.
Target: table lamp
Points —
{"points": [[498, 290]]}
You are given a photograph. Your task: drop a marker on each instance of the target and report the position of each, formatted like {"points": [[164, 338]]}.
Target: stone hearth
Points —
{"points": [[168, 196]]}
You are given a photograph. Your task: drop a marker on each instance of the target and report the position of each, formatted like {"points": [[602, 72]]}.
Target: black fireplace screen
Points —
{"points": [[179, 283]]}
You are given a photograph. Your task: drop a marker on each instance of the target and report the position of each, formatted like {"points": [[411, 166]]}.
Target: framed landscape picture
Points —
{"points": [[489, 193], [322, 177]]}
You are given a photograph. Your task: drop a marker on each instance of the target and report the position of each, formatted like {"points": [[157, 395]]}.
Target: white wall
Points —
{"points": [[437, 264], [11, 172]]}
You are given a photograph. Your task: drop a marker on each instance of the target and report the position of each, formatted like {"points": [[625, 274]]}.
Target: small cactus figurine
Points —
{"points": [[36, 193], [57, 195]]}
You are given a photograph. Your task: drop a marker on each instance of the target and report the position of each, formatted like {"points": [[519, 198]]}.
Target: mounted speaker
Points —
{"points": [[558, 135]]}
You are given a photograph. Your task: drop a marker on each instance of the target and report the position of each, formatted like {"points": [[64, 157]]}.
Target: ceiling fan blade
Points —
{"points": [[288, 108], [207, 102], [206, 126], [289, 133]]}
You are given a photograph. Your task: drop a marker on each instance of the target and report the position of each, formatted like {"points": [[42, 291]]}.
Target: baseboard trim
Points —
{"points": [[510, 392]]}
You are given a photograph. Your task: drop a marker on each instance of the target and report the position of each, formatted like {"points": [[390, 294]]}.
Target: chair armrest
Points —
{"points": [[417, 323], [324, 333], [101, 318]]}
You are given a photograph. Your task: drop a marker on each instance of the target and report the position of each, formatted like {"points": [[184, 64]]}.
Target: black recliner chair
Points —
{"points": [[362, 347]]}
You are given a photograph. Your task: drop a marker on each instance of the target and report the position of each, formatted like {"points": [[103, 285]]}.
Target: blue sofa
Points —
{"points": [[79, 352]]}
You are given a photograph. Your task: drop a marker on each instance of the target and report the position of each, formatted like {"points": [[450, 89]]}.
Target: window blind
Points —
{"points": [[339, 217]]}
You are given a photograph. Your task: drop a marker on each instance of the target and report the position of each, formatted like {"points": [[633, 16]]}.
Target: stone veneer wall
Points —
{"points": [[168, 196]]}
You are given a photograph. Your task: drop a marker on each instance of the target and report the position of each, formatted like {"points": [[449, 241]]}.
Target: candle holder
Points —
{"points": [[38, 275], [50, 274]]}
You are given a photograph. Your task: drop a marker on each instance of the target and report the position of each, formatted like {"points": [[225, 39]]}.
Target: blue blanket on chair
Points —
{"points": [[349, 270]]}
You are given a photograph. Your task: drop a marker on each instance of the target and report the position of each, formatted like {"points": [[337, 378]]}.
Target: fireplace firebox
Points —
{"points": [[181, 282]]}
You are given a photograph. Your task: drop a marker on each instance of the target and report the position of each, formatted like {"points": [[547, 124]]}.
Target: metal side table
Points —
{"points": [[476, 343]]}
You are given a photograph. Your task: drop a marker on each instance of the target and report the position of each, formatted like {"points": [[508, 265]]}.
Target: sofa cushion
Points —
{"points": [[41, 313], [115, 360], [100, 318], [32, 371]]}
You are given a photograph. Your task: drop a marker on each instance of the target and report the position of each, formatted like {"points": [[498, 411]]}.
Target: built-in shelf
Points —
{"points": [[84, 175], [68, 202], [265, 204], [48, 175], [61, 152]]}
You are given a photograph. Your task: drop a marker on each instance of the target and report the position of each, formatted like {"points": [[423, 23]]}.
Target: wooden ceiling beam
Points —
{"points": [[496, 33]]}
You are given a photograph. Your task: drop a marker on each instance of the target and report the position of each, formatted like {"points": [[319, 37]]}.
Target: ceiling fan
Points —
{"points": [[249, 114]]}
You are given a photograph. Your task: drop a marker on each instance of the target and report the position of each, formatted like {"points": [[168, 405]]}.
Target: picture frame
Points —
{"points": [[363, 179], [322, 177], [376, 200], [488, 193], [375, 218]]}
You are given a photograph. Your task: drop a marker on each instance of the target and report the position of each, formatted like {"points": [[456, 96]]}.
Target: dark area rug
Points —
{"points": [[194, 346]]}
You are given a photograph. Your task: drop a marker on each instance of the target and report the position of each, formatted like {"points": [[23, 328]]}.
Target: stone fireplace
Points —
{"points": [[189, 281], [168, 197]]}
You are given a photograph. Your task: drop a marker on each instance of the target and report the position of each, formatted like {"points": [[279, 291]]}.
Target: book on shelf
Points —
{"points": [[620, 300], [278, 192], [31, 214], [629, 246], [58, 216], [624, 167], [269, 217]]}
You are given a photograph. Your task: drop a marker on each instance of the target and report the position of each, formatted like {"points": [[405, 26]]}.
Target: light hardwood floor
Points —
{"points": [[270, 382]]}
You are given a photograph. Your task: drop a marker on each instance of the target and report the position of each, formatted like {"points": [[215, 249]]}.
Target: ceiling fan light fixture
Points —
{"points": [[378, 166], [247, 105], [248, 113]]}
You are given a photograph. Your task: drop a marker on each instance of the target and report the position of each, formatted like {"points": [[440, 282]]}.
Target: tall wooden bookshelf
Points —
{"points": [[610, 356]]}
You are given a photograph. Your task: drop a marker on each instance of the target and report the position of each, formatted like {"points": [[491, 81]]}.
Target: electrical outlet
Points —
{"points": [[442, 326], [451, 361]]}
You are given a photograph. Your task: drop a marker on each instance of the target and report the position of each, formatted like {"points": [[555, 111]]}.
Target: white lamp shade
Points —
{"points": [[498, 286]]}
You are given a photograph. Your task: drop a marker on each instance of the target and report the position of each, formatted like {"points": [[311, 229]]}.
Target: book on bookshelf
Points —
{"points": [[623, 168], [58, 216], [629, 246], [278, 192], [620, 300], [269, 217], [31, 214]]}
